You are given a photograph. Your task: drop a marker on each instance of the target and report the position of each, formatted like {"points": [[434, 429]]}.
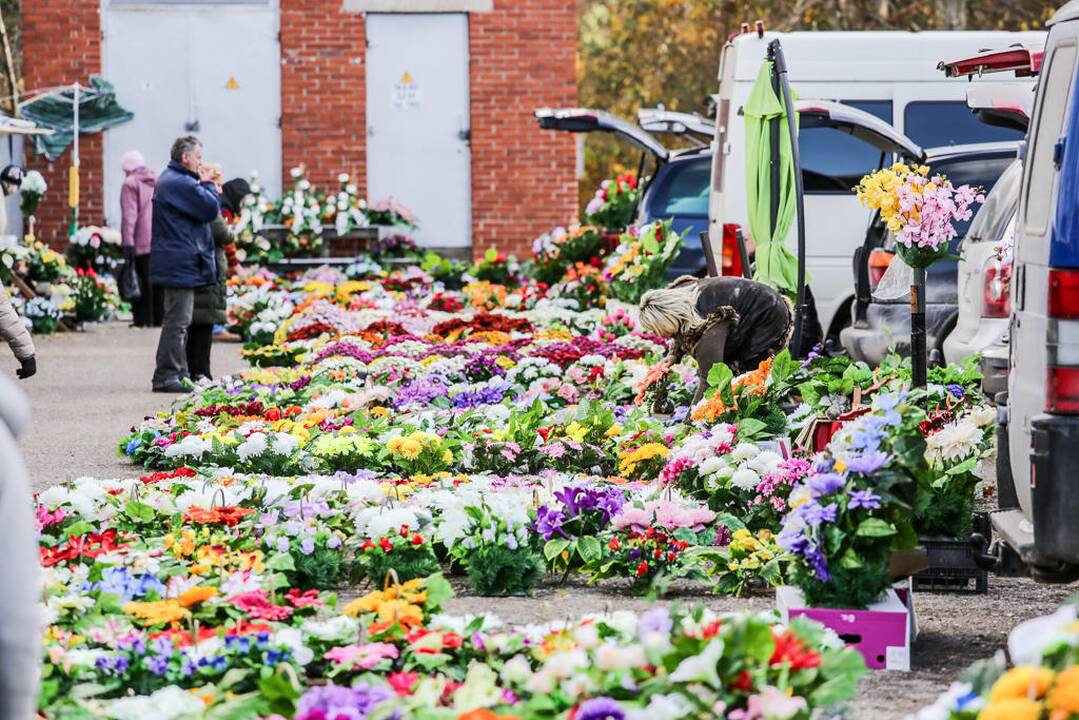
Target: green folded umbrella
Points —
{"points": [[776, 264], [98, 110]]}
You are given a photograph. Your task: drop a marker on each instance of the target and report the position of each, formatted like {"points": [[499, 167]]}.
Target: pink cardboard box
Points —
{"points": [[881, 632]]}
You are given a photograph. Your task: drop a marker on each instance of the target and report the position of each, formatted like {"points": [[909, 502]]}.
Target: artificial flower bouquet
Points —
{"points": [[856, 506], [93, 247], [31, 191], [403, 551], [641, 260], [300, 211], [391, 211], [498, 549], [497, 268], [96, 298], [43, 316], [613, 205], [583, 285], [920, 210], [750, 400], [1042, 682], [562, 248]]}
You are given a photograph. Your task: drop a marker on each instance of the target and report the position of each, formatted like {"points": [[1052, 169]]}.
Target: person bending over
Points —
{"points": [[732, 320]]}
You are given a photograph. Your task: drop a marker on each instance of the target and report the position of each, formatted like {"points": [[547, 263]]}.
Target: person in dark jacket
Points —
{"points": [[732, 320], [182, 253], [211, 302], [136, 218]]}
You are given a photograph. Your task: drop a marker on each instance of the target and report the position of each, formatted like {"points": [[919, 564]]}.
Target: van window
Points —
{"points": [[1053, 101], [832, 161], [935, 124], [683, 190], [991, 218]]}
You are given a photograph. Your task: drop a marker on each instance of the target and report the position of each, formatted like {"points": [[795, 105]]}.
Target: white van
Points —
{"points": [[892, 75]]}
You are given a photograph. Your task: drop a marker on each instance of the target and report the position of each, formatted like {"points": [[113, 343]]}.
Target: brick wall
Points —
{"points": [[523, 179], [323, 121], [61, 45]]}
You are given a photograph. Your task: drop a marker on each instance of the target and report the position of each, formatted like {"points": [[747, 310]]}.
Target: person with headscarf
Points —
{"points": [[732, 320], [136, 222], [211, 305]]}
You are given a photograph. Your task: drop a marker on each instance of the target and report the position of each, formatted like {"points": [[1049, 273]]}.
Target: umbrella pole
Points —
{"points": [[773, 161], [917, 328], [73, 173], [801, 310]]}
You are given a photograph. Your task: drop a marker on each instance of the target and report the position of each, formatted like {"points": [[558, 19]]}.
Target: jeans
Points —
{"points": [[172, 345], [148, 309], [200, 341]]}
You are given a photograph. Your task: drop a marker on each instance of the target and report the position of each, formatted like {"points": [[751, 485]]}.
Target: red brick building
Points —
{"points": [[427, 101]]}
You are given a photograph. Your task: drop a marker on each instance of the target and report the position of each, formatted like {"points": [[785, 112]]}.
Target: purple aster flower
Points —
{"points": [[333, 701], [816, 514], [600, 708], [654, 621], [307, 546], [868, 462], [864, 499], [825, 483], [955, 390], [723, 536]]}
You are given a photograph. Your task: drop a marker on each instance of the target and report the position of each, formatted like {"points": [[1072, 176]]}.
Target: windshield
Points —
{"points": [[683, 189], [999, 209]]}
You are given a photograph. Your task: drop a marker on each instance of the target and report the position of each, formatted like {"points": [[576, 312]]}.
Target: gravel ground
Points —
{"points": [[92, 386]]}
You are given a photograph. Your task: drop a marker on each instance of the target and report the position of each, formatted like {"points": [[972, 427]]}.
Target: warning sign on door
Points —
{"points": [[406, 93]]}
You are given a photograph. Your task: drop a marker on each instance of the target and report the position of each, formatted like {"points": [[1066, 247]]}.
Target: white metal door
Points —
{"points": [[212, 70], [418, 121]]}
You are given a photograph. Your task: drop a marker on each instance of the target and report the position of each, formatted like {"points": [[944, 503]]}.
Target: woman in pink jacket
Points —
{"points": [[136, 213]]}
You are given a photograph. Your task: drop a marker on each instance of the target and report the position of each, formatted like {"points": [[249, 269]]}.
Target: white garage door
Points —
{"points": [[418, 121], [212, 69]]}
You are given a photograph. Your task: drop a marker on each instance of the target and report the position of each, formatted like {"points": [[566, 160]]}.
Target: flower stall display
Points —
{"points": [[640, 261], [613, 205], [298, 531]]}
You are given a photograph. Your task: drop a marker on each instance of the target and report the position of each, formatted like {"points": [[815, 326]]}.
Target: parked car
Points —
{"points": [[910, 95], [984, 282], [1038, 487], [984, 279], [882, 324], [677, 187]]}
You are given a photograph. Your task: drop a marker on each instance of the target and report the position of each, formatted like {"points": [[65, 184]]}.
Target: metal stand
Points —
{"points": [[781, 83], [917, 328]]}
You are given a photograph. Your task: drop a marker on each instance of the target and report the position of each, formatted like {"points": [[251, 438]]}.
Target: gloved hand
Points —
{"points": [[28, 369]]}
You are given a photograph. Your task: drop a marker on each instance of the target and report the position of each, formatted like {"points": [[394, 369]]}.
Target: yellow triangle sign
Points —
{"points": [[406, 79], [232, 84]]}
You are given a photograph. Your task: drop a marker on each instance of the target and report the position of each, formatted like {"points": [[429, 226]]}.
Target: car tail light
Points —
{"points": [[996, 293], [879, 261], [1063, 294], [1062, 343], [1062, 390], [732, 258]]}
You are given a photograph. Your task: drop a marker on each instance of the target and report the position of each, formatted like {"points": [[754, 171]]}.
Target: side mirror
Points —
{"points": [[1021, 151]]}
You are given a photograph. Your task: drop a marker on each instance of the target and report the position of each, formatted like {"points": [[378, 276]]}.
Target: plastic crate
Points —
{"points": [[951, 568]]}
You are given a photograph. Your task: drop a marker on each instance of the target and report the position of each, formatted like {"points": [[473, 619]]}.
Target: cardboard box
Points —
{"points": [[881, 632]]}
